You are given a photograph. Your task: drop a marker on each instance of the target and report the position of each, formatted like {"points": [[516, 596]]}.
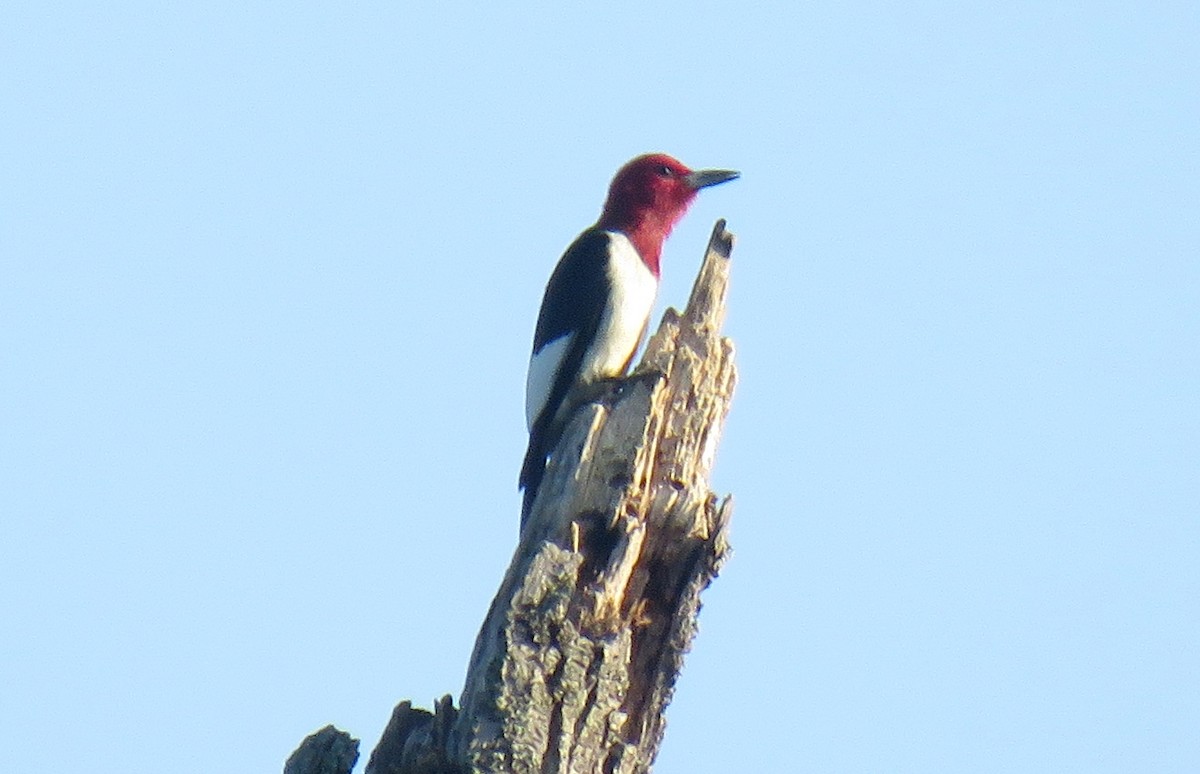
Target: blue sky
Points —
{"points": [[268, 280]]}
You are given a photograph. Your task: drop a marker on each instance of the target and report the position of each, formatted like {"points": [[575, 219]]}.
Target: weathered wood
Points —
{"points": [[578, 656], [327, 751], [414, 741]]}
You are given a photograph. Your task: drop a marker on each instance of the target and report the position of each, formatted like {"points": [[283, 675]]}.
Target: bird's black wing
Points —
{"points": [[574, 303], [575, 294]]}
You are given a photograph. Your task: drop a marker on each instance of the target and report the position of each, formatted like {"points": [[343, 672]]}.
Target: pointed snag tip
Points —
{"points": [[721, 241]]}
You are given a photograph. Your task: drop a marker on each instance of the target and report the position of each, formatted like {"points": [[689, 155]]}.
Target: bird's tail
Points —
{"points": [[532, 471]]}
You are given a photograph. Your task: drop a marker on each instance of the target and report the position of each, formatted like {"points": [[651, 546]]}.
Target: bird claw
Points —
{"points": [[649, 377], [608, 390], [624, 384]]}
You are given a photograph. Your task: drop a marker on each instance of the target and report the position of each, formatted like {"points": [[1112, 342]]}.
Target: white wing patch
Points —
{"points": [[543, 367]]}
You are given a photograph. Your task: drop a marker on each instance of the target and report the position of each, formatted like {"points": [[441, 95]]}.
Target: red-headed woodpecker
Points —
{"points": [[598, 301]]}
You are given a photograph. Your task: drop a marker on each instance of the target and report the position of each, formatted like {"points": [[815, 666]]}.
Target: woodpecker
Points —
{"points": [[598, 300]]}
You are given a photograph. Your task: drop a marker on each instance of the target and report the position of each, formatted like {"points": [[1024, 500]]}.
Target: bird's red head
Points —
{"points": [[649, 195]]}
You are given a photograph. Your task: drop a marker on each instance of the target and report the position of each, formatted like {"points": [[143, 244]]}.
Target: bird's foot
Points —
{"points": [[648, 377], [608, 390], [622, 385]]}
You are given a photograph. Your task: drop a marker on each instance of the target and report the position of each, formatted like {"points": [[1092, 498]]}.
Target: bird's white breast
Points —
{"points": [[630, 292], [633, 288]]}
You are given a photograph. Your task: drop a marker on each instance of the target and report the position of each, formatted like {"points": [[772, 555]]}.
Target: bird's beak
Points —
{"points": [[703, 178]]}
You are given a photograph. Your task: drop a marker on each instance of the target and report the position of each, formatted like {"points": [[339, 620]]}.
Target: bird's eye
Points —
{"points": [[665, 171]]}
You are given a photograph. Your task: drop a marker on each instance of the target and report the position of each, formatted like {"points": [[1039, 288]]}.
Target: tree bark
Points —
{"points": [[327, 751], [578, 656]]}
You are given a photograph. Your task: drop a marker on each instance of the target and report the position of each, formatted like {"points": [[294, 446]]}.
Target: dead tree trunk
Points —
{"points": [[577, 659]]}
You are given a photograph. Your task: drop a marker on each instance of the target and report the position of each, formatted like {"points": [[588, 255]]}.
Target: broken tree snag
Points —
{"points": [[578, 656], [579, 653]]}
